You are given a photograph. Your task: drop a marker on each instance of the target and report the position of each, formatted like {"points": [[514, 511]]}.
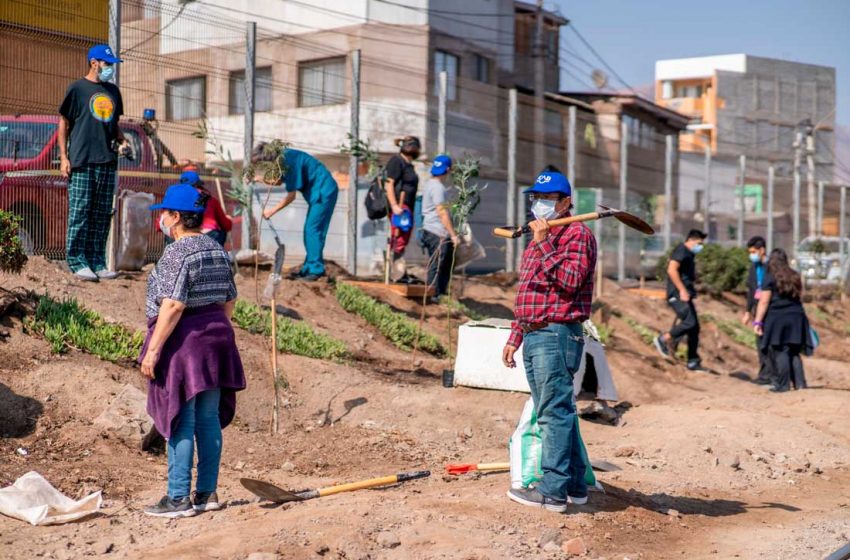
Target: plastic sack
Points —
{"points": [[526, 451], [134, 230], [468, 250], [34, 500]]}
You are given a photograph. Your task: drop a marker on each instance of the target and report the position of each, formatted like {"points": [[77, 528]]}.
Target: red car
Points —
{"points": [[32, 187]]}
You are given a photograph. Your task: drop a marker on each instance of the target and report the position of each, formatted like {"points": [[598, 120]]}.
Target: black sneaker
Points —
{"points": [[775, 389], [661, 346], [532, 497], [181, 507], [205, 501], [308, 277], [695, 365]]}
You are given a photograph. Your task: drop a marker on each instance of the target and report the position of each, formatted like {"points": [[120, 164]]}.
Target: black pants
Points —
{"points": [[765, 365], [787, 367], [686, 324], [440, 265]]}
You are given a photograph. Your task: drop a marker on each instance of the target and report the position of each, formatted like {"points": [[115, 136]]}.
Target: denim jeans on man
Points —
{"points": [[197, 419], [552, 356]]}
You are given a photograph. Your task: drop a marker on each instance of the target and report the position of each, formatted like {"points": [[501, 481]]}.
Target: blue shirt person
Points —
{"points": [[310, 177]]}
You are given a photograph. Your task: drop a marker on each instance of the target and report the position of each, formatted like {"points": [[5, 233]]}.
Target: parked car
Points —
{"points": [[819, 258], [32, 187]]}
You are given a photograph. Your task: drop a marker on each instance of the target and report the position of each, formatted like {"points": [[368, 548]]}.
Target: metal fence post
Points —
{"points": [[248, 138], [621, 229], [707, 213], [511, 193], [351, 213], [820, 208], [115, 45], [795, 204], [742, 200], [441, 120], [842, 228], [770, 176]]}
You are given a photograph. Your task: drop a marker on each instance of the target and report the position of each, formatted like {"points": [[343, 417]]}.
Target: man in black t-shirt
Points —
{"points": [[681, 279], [89, 114], [401, 184]]}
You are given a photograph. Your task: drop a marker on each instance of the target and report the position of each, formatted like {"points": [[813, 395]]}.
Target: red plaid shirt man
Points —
{"points": [[556, 280]]}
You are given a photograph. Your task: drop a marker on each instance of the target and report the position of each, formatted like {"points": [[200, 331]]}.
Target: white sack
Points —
{"points": [[34, 500]]}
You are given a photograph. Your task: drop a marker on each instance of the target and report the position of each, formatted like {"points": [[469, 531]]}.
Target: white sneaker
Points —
{"points": [[106, 274], [86, 275]]}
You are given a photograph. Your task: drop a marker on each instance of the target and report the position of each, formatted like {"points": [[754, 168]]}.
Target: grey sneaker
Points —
{"points": [[662, 346], [577, 500], [166, 507], [696, 365], [205, 501], [106, 274], [86, 275], [532, 497]]}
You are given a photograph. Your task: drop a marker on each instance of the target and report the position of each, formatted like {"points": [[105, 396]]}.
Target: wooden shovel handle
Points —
{"points": [[373, 483], [515, 231]]}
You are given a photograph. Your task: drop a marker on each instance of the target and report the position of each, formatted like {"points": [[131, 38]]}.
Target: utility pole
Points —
{"points": [[115, 45], [742, 199], [842, 229], [795, 203], [441, 122], [707, 211], [571, 145], [621, 228], [248, 139], [770, 175], [353, 164], [668, 191], [810, 177], [511, 216], [539, 88], [820, 208]]}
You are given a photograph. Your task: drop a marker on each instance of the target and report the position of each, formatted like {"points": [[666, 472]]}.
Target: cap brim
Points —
{"points": [[156, 207], [110, 59]]}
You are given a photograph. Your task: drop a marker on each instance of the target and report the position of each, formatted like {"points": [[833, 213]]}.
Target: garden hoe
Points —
{"points": [[276, 494], [511, 232]]}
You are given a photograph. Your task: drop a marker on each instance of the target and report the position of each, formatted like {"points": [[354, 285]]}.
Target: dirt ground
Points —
{"points": [[713, 466]]}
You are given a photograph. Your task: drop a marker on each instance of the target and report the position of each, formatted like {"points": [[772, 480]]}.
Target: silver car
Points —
{"points": [[819, 258]]}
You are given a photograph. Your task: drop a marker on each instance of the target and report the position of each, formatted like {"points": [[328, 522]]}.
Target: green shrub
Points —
{"points": [[12, 256], [646, 334], [293, 337], [395, 326], [67, 324], [718, 269]]}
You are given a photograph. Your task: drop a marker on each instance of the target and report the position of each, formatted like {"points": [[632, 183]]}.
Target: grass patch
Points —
{"points": [[605, 333], [646, 334], [293, 337], [457, 305], [395, 326], [66, 324], [734, 330]]}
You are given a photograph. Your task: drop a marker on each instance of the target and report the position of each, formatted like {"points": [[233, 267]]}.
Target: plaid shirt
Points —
{"points": [[556, 279]]}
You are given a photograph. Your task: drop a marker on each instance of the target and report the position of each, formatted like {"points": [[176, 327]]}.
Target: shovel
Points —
{"points": [[461, 468], [278, 495], [270, 293], [511, 232]]}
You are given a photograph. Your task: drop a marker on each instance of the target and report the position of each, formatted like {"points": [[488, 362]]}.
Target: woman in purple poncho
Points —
{"points": [[190, 353]]}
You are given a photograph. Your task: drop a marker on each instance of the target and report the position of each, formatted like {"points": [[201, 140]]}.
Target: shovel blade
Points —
{"points": [[269, 491]]}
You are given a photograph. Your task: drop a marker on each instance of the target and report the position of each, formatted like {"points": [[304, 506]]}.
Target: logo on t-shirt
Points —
{"points": [[102, 107]]}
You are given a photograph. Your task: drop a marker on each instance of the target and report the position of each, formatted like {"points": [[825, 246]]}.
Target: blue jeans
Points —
{"points": [[197, 419], [552, 356]]}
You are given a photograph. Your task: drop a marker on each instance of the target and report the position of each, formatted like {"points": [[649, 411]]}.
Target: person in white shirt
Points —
{"points": [[438, 232]]}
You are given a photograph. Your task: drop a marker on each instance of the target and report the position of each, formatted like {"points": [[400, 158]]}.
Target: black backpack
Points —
{"points": [[376, 198]]}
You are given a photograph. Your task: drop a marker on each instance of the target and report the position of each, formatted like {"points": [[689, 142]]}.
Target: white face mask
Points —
{"points": [[166, 230], [543, 209]]}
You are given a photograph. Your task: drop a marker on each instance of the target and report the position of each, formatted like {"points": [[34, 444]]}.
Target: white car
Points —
{"points": [[819, 258]]}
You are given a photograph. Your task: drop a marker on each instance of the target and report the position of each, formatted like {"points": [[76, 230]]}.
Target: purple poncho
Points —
{"points": [[199, 355]]}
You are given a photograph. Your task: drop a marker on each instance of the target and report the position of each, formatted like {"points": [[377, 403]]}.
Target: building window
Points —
{"points": [[666, 89], [449, 63], [262, 91], [482, 68], [185, 98], [321, 82], [689, 91]]}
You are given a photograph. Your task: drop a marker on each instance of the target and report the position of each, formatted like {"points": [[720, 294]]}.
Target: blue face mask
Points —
{"points": [[697, 248], [755, 258], [105, 73]]}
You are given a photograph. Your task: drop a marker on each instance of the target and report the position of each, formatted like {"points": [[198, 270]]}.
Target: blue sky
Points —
{"points": [[632, 34]]}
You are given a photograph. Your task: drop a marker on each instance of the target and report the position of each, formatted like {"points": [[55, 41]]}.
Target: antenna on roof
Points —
{"points": [[600, 78]]}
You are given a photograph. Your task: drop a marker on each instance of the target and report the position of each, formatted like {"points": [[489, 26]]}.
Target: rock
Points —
{"points": [[287, 466], [600, 411], [624, 452], [551, 547], [126, 417], [263, 556], [672, 512], [388, 539], [467, 432], [575, 547], [735, 463], [549, 536], [322, 549], [239, 465], [707, 449], [105, 547]]}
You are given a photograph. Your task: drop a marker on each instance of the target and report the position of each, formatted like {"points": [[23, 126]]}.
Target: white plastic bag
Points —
{"points": [[526, 451], [469, 249], [34, 500]]}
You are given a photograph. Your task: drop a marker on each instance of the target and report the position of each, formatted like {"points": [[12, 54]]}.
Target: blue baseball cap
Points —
{"points": [[440, 165], [180, 198], [551, 182], [104, 53], [191, 178], [403, 221]]}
